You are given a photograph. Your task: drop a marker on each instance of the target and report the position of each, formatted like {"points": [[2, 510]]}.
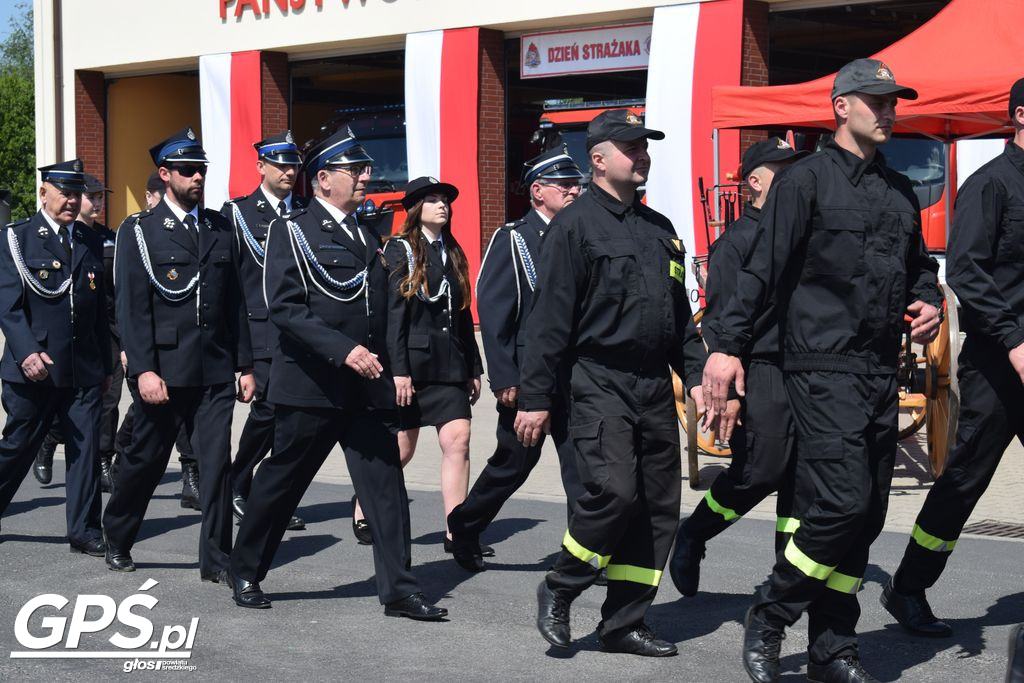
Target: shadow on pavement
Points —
{"points": [[503, 529], [55, 540], [20, 506], [299, 545], [151, 528]]}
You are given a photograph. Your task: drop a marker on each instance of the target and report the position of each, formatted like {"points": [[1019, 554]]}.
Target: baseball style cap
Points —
{"points": [[869, 76], [620, 125]]}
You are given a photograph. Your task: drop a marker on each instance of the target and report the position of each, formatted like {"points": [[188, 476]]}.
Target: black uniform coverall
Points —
{"points": [[985, 267], [839, 243], [504, 296], [258, 432], [196, 345], [319, 402], [79, 345], [611, 308], [763, 446]]}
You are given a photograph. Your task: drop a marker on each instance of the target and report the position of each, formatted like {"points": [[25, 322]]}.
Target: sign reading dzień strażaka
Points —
{"points": [[593, 50]]}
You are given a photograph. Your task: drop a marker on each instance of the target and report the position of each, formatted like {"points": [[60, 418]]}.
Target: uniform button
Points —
{"points": [[330, 359], [444, 329], [202, 284], [206, 305], [206, 325]]}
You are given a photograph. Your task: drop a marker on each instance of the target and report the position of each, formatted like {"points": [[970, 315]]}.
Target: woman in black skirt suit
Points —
{"points": [[431, 344]]}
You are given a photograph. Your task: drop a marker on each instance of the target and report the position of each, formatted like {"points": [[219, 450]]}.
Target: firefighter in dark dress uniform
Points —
{"points": [[763, 445], [184, 332], [985, 268], [278, 162], [839, 245], [56, 362], [326, 288], [504, 290], [611, 309]]}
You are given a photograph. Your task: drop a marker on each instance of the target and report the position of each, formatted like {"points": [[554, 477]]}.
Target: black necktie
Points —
{"points": [[350, 223], [190, 228], [282, 209], [64, 233], [439, 248]]}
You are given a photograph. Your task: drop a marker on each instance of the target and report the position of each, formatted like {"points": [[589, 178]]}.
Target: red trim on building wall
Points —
{"points": [[246, 121]]}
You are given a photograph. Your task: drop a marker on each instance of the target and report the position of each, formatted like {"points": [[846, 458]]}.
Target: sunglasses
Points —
{"points": [[189, 170], [564, 187], [354, 170]]}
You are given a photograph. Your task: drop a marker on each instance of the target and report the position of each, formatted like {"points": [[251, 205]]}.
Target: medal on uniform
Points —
{"points": [[44, 231], [92, 280], [169, 224], [172, 274], [43, 274], [56, 264]]}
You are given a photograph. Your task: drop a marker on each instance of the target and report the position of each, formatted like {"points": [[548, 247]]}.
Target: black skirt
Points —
{"points": [[436, 403]]}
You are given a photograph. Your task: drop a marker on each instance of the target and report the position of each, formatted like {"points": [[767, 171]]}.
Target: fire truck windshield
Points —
{"points": [[923, 161]]}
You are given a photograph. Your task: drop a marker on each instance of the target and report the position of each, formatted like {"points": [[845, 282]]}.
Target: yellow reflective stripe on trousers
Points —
{"points": [[582, 554], [929, 542], [627, 572], [801, 561], [843, 583], [787, 525], [715, 506]]}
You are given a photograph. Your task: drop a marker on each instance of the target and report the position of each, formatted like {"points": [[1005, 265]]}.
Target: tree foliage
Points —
{"points": [[17, 114]]}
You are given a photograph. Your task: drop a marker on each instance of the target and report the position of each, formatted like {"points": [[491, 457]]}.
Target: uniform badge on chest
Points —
{"points": [[92, 279], [43, 274], [172, 274]]}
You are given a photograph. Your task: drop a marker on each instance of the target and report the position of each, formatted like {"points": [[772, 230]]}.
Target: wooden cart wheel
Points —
{"points": [[941, 388], [914, 406], [696, 439]]}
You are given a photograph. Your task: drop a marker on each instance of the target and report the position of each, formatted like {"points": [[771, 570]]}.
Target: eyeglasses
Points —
{"points": [[354, 170], [565, 187], [189, 170]]}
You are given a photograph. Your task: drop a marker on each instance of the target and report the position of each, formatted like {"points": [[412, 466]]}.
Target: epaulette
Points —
{"points": [[296, 211], [299, 203], [17, 223], [515, 224], [141, 214]]}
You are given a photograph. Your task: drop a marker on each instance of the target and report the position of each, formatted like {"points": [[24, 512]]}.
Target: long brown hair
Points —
{"points": [[411, 232]]}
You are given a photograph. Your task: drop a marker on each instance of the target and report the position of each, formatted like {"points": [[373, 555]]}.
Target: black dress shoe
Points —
{"points": [[485, 550], [118, 561], [217, 577], [684, 567], [466, 552], [913, 612], [761, 645], [94, 547], [43, 467], [845, 669], [295, 524], [238, 507], [638, 641], [360, 527], [190, 486], [416, 607], [106, 478], [247, 593], [553, 616]]}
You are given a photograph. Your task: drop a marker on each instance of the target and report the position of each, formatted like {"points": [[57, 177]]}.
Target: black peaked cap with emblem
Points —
{"points": [[340, 148], [420, 187], [182, 147], [772, 150], [67, 175], [554, 164], [279, 149], [621, 125]]}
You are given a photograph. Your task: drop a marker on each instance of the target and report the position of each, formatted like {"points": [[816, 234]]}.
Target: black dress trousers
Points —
{"points": [[257, 434]]}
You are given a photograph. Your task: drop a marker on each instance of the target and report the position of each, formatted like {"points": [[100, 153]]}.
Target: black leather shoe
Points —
{"points": [[466, 551], [106, 478], [190, 486], [416, 607], [1015, 658], [845, 669], [247, 593], [684, 567], [118, 561], [913, 612], [485, 550], [238, 507], [360, 527], [295, 524], [553, 616], [638, 641], [94, 547], [217, 577], [43, 467], [761, 645]]}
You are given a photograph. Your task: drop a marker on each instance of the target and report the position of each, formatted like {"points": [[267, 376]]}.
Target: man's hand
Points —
{"points": [[34, 367], [152, 388], [507, 396], [124, 361], [720, 372], [404, 390], [729, 420], [531, 424], [1017, 360], [474, 391], [246, 386], [364, 363], [924, 324]]}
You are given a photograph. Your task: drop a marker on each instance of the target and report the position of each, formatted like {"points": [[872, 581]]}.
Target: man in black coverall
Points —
{"points": [[504, 291], [611, 308], [763, 447], [985, 267], [839, 243]]}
